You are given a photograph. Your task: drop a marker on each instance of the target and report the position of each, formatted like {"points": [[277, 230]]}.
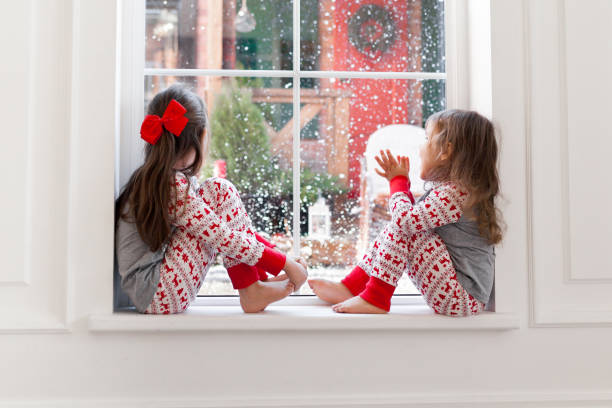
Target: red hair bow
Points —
{"points": [[173, 120]]}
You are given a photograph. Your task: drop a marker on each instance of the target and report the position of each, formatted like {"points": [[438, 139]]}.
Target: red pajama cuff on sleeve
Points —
{"points": [[401, 184]]}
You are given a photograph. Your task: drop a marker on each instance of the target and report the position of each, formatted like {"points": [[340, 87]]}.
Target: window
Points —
{"points": [[301, 95]]}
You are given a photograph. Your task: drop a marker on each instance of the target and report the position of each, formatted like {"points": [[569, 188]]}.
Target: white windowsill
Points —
{"points": [[297, 315]]}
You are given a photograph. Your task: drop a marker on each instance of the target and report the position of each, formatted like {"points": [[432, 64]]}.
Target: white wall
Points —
{"points": [[63, 160]]}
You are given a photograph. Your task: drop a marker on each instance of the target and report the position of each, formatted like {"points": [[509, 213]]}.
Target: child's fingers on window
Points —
{"points": [[390, 158], [381, 162], [386, 155], [382, 155], [380, 173]]}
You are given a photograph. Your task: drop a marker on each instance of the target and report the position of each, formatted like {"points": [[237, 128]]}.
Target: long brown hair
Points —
{"points": [[469, 140], [148, 191]]}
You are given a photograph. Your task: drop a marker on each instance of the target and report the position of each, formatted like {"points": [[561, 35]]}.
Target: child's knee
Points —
{"points": [[219, 185], [216, 191]]}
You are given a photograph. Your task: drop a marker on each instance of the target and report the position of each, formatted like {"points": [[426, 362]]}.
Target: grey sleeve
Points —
{"points": [[140, 282], [120, 299], [137, 266]]}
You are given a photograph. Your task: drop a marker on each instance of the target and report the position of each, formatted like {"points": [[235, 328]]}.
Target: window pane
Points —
{"points": [[391, 35], [344, 202], [219, 34], [251, 145]]}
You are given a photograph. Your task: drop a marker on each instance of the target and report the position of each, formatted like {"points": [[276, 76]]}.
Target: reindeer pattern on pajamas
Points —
{"points": [[208, 219]]}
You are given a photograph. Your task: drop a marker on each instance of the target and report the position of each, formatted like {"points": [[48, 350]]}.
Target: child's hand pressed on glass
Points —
{"points": [[392, 166]]}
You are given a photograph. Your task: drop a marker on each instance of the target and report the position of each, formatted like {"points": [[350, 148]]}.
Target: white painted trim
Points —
{"points": [[455, 41], [42, 329], [568, 275], [66, 67], [595, 398], [73, 201], [17, 283], [548, 307], [34, 301], [22, 277], [38, 322], [118, 95], [527, 92], [564, 149], [302, 318], [132, 62], [29, 176], [293, 73], [89, 195]]}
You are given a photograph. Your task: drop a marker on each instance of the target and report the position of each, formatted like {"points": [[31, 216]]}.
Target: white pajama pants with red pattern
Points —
{"points": [[187, 259], [428, 264]]}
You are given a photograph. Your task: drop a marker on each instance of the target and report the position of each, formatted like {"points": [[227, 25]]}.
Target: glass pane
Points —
{"points": [[251, 146], [390, 35], [220, 34], [344, 202]]}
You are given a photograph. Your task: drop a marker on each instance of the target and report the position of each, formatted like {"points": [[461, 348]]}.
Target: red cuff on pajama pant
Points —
{"points": [[262, 272], [271, 261], [378, 293], [243, 275], [356, 280]]}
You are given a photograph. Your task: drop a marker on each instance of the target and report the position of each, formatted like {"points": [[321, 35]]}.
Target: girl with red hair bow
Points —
{"points": [[170, 228]]}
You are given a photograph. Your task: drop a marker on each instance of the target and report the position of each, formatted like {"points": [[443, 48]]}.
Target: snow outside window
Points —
{"points": [[301, 95]]}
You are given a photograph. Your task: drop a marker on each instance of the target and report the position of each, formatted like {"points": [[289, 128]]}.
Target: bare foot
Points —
{"points": [[357, 305], [280, 277], [259, 295], [330, 292], [296, 271]]}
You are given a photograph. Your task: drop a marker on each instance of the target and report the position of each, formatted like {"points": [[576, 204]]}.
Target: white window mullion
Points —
{"points": [[192, 72], [131, 110], [287, 74], [455, 43], [296, 127], [373, 75]]}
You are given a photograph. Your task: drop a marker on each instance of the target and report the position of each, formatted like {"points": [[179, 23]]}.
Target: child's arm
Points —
{"points": [[190, 212], [442, 206]]}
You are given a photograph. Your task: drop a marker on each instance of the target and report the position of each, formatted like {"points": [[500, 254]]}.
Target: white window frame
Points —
{"points": [[131, 61]]}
